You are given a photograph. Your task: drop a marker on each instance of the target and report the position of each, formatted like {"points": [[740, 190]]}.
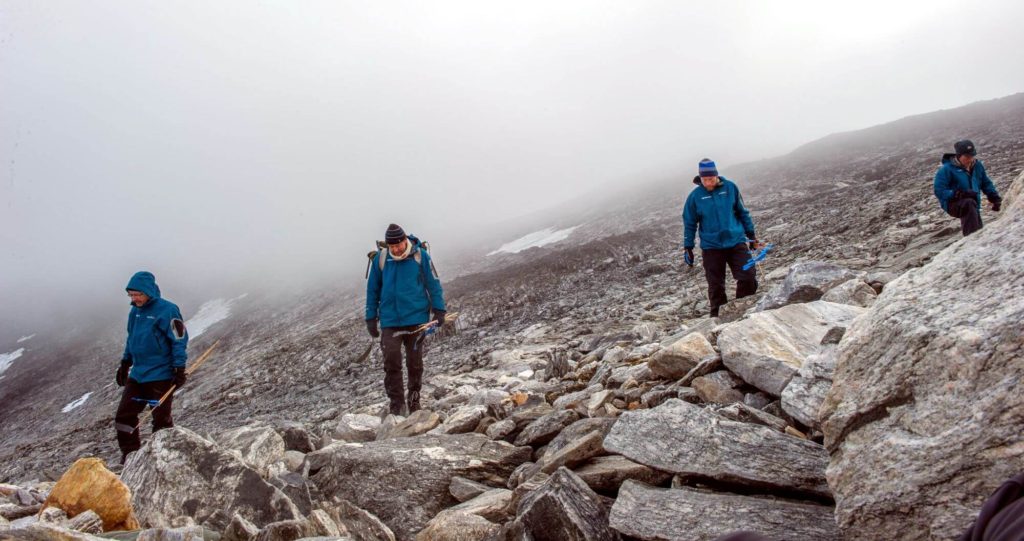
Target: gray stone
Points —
{"points": [[240, 529], [684, 514], [682, 438], [462, 420], [767, 348], [179, 473], [356, 427], [706, 366], [418, 422], [575, 453], [605, 474], [803, 397], [258, 446], [924, 416], [359, 524], [545, 428], [596, 404], [285, 530], [571, 400], [501, 429], [466, 489], [855, 292], [579, 429], [640, 373], [680, 357], [564, 507], [455, 526], [806, 281], [720, 387], [422, 466], [87, 521]]}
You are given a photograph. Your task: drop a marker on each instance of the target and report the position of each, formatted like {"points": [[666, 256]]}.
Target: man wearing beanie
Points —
{"points": [[959, 183], [715, 209], [402, 292], [153, 360]]}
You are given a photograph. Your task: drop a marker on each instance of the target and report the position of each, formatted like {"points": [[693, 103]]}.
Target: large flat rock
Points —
{"points": [[682, 438], [685, 514]]}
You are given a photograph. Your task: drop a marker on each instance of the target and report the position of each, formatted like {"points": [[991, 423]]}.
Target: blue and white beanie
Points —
{"points": [[707, 168]]}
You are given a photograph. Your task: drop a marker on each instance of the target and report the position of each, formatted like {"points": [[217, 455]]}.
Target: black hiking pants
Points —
{"points": [[715, 261], [967, 211], [133, 402], [392, 346]]}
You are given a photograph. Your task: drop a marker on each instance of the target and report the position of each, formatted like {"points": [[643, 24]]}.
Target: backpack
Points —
{"points": [[382, 251]]}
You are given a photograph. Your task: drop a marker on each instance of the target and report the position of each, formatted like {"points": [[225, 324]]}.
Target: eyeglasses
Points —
{"points": [[136, 294]]}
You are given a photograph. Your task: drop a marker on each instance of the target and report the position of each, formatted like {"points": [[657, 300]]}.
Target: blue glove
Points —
{"points": [[688, 256]]}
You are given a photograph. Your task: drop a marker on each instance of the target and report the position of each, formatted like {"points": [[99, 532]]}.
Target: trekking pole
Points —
{"points": [[188, 371]]}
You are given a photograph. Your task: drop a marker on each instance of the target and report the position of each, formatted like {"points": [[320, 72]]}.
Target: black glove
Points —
{"points": [[122, 373], [688, 256], [371, 327], [180, 376], [439, 316], [969, 194], [997, 204], [752, 244]]}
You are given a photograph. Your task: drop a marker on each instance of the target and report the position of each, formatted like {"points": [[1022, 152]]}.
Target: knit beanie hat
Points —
{"points": [[394, 234], [707, 168]]}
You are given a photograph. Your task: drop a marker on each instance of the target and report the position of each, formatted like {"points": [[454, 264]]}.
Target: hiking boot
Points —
{"points": [[396, 408], [413, 398]]}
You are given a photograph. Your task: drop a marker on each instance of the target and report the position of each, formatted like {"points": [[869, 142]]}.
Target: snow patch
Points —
{"points": [[209, 314], [76, 403], [535, 240], [24, 338], [7, 358]]}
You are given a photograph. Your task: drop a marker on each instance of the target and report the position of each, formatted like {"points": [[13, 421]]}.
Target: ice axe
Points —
{"points": [[188, 371], [758, 257]]}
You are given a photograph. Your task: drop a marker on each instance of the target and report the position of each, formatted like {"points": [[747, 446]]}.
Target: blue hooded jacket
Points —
{"points": [[952, 176], [719, 214], [157, 337], [404, 292]]}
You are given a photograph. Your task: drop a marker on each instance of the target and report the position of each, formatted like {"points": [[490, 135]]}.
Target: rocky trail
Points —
{"points": [[868, 391]]}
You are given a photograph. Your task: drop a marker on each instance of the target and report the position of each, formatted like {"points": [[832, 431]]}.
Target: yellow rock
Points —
{"points": [[88, 484]]}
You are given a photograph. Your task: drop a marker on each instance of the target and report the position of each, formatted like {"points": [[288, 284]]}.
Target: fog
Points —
{"points": [[232, 145]]}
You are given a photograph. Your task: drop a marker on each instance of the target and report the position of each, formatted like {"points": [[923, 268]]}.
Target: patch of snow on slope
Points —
{"points": [[24, 338], [535, 240], [7, 358], [210, 313], [76, 403]]}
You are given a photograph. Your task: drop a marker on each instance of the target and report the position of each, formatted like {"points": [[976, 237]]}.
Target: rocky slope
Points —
{"points": [[579, 373]]}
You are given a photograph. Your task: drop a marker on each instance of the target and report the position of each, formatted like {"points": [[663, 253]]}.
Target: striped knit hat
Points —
{"points": [[394, 234], [707, 168]]}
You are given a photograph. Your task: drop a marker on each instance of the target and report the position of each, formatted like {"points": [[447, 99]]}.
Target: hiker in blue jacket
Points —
{"points": [[153, 360], [959, 183], [715, 209], [402, 292]]}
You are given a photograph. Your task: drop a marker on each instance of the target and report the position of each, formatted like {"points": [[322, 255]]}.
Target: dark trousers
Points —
{"points": [[392, 347], [967, 211], [132, 404], [714, 270]]}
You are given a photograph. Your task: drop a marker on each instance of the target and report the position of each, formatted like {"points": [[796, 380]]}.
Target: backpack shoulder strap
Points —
{"points": [[381, 258]]}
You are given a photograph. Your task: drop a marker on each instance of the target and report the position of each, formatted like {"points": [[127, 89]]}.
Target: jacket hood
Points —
{"points": [[949, 158], [145, 282], [416, 242]]}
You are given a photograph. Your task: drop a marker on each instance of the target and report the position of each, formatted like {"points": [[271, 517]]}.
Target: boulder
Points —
{"points": [[683, 355], [564, 507], [767, 348], [185, 533], [296, 437], [466, 489], [577, 430], [360, 524], [854, 292], [422, 466], [418, 422], [685, 514], [89, 486], [240, 529], [462, 420], [501, 429], [720, 387], [686, 439], [258, 446], [805, 394], [545, 428], [805, 282], [177, 473], [456, 526], [924, 416], [355, 427]]}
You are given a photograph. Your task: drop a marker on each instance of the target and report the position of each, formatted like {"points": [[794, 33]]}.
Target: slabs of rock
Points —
{"points": [[682, 438], [924, 417], [685, 514], [177, 473], [805, 394], [721, 387], [564, 507], [422, 466], [418, 422], [354, 427], [258, 446], [605, 474], [805, 282], [767, 349], [854, 292]]}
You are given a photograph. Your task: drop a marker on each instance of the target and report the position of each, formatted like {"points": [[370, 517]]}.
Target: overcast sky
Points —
{"points": [[273, 140]]}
